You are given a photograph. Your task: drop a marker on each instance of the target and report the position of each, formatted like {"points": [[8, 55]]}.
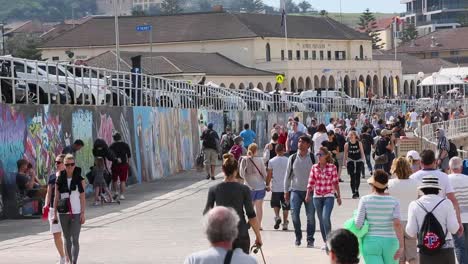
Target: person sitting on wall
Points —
{"points": [[26, 180], [75, 147]]}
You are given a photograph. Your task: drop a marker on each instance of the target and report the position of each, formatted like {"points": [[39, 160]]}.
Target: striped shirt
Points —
{"points": [[379, 211], [460, 184]]}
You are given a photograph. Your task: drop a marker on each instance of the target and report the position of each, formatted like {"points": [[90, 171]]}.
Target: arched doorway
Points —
{"points": [[316, 82], [375, 86], [241, 86], [293, 85], [331, 82], [232, 86], [361, 87], [418, 89], [384, 86], [368, 83], [268, 52], [251, 86], [300, 84], [391, 93], [405, 87], [347, 85], [268, 87], [397, 89], [323, 83], [308, 83], [260, 86], [222, 85], [412, 90]]}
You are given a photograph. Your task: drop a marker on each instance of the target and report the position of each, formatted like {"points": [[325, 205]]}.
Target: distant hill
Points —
{"points": [[349, 19]]}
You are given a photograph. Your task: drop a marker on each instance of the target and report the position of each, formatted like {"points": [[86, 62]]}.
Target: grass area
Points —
{"points": [[350, 19]]}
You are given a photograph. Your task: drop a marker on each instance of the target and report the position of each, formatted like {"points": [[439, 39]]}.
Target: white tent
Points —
{"points": [[441, 80], [212, 84]]}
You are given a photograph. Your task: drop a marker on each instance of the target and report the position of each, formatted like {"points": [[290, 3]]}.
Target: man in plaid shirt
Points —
{"points": [[324, 183]]}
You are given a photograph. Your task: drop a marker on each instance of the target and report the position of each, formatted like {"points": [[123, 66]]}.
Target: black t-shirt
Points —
{"points": [[381, 147], [62, 184], [236, 196], [331, 146], [354, 152], [51, 183], [273, 150], [21, 181], [121, 150], [367, 142], [341, 142], [311, 130]]}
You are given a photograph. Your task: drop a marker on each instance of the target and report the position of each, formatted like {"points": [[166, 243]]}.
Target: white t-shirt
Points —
{"points": [[278, 165], [330, 127], [443, 180], [405, 191], [74, 198], [414, 117], [318, 138], [460, 184], [215, 255]]}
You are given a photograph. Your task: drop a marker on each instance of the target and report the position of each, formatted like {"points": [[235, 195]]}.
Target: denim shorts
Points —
{"points": [[258, 195]]}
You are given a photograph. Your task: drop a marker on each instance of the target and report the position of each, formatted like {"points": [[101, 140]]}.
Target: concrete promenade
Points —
{"points": [[159, 223]]}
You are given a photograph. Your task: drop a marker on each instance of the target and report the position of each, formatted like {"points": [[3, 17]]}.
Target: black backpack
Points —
{"points": [[209, 139], [293, 159], [453, 150], [431, 236], [228, 143]]}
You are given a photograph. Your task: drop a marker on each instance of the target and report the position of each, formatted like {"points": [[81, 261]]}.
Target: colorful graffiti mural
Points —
{"points": [[82, 128]]}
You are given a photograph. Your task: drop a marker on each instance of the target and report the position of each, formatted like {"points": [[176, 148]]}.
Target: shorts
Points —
{"points": [[54, 228], [277, 200], [410, 247], [211, 156], [257, 195], [120, 171], [414, 124]]}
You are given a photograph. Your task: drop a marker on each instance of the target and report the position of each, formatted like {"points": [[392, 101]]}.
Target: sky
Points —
{"points": [[351, 6]]}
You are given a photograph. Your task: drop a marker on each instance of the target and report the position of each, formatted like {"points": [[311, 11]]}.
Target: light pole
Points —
{"points": [[116, 29], [420, 77], [435, 75]]}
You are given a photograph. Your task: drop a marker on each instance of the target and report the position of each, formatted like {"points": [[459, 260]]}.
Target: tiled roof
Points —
{"points": [[99, 31], [445, 39]]}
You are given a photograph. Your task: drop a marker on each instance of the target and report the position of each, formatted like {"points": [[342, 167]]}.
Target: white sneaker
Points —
{"points": [[285, 225], [62, 261], [324, 247], [122, 197]]}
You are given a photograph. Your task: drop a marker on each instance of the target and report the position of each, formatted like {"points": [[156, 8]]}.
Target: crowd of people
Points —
{"points": [[412, 215]]}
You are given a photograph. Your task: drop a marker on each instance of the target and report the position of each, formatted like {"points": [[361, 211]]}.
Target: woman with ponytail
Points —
{"points": [[231, 193]]}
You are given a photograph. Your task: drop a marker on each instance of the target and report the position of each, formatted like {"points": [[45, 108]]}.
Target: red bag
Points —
{"points": [[45, 213]]}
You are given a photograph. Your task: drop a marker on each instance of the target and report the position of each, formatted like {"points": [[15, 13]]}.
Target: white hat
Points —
{"points": [[413, 154]]}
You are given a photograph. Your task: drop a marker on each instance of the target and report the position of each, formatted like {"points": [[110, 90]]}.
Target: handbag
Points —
{"points": [[64, 205], [200, 159], [381, 159]]}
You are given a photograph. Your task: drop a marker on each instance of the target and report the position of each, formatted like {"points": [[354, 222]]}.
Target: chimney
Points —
{"points": [[433, 42], [217, 8]]}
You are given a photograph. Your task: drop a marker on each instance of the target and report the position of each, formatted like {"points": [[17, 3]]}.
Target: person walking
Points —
{"points": [[460, 183], [323, 187], [383, 244], [237, 149], [414, 160], [70, 205], [231, 193], [210, 148], [293, 138], [367, 144], [295, 190], [120, 165], [443, 148], [405, 190], [384, 151], [275, 183], [444, 212], [354, 160], [341, 140], [227, 140], [319, 137], [332, 145], [252, 169], [248, 135], [269, 151], [55, 227]]}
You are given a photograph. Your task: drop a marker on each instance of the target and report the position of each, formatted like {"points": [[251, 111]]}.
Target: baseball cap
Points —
{"points": [[413, 154]]}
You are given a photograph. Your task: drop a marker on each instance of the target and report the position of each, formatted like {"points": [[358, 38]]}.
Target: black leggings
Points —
{"points": [[355, 174], [242, 242]]}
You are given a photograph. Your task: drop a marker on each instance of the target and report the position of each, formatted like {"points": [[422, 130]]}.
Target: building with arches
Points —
{"points": [[320, 53]]}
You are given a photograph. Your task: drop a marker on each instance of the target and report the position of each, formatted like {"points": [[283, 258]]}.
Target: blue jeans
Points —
{"points": [[297, 199], [369, 164], [460, 246], [324, 207]]}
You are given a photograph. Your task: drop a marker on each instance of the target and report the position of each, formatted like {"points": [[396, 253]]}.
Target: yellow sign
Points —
{"points": [[279, 79]]}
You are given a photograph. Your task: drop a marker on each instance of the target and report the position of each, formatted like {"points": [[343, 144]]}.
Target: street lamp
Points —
{"points": [[116, 29], [435, 75], [420, 77]]}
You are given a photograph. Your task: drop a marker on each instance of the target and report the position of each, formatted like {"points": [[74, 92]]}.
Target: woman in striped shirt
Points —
{"points": [[383, 244]]}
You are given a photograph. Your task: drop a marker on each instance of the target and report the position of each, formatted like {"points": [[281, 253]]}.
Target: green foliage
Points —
{"points": [[409, 33], [252, 6], [23, 46], [291, 7], [45, 10], [463, 20], [138, 11], [323, 12], [304, 6], [171, 7], [368, 24]]}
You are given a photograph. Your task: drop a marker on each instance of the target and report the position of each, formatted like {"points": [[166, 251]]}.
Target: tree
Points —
{"points": [[368, 25], [24, 46], [171, 7], [323, 13], [304, 5], [409, 33], [154, 10], [252, 6], [291, 7], [204, 5], [138, 11]]}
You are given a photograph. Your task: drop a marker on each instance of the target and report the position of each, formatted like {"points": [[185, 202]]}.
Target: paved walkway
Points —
{"points": [[157, 226]]}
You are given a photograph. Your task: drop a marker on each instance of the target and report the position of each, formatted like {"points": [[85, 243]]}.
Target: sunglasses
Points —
{"points": [[320, 155], [58, 162], [70, 165]]}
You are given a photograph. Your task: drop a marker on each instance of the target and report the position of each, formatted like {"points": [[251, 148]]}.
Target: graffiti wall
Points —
{"points": [[163, 141]]}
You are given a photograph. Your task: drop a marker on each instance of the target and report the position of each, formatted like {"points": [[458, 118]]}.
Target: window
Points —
{"points": [[267, 51], [314, 55], [290, 57], [434, 54], [298, 55], [55, 58], [282, 55], [454, 52], [20, 67], [329, 56], [361, 52], [321, 55], [340, 55], [306, 54]]}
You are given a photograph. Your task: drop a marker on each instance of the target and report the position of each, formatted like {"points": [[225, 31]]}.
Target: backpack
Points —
{"points": [[209, 139], [101, 149], [465, 167], [431, 235], [380, 154], [228, 142], [453, 150], [293, 159]]}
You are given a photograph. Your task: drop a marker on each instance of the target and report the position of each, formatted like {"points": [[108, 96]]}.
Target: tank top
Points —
{"points": [[354, 152], [273, 150]]}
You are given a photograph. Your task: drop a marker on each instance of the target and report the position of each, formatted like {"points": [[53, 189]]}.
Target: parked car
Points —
{"points": [[221, 98]]}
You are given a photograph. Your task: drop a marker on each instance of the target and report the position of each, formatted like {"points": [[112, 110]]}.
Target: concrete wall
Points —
{"points": [[164, 141]]}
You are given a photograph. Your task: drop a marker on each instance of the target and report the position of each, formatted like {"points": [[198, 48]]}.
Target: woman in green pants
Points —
{"points": [[383, 244]]}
